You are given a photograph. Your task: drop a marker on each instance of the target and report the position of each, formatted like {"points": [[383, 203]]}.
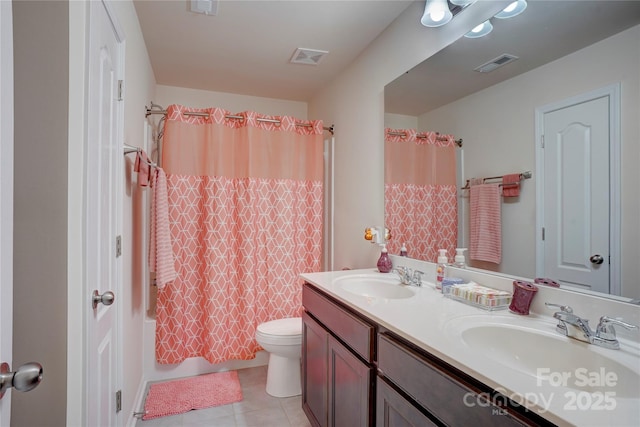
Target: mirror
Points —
{"points": [[564, 49]]}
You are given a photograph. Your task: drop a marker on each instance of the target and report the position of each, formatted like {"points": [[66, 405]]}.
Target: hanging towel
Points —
{"points": [[143, 167], [161, 259], [511, 185], [485, 227]]}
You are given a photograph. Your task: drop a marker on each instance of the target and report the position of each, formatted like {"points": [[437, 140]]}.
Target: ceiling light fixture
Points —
{"points": [[514, 9], [480, 30], [436, 13]]}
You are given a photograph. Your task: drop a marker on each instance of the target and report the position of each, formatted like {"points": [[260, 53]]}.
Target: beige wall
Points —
{"points": [[41, 67], [354, 103], [507, 127]]}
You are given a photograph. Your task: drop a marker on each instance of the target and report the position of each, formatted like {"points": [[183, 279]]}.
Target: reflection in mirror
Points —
{"points": [[567, 53]]}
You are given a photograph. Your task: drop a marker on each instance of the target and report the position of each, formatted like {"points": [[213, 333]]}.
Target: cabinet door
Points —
{"points": [[350, 385], [393, 410], [314, 371]]}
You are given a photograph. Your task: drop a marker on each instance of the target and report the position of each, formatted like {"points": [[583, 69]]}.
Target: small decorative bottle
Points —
{"points": [[440, 267], [403, 250], [384, 262]]}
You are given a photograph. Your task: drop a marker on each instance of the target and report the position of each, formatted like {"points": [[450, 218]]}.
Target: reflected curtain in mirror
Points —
{"points": [[420, 194]]}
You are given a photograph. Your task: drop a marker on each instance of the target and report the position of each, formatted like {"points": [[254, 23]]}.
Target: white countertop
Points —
{"points": [[428, 319]]}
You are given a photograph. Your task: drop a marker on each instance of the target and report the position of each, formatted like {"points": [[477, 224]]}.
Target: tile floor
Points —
{"points": [[257, 408]]}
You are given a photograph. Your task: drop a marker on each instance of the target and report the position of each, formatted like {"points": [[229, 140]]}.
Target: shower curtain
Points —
{"points": [[420, 194], [245, 207]]}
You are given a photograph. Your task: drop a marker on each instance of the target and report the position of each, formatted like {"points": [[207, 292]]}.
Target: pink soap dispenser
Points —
{"points": [[384, 262]]}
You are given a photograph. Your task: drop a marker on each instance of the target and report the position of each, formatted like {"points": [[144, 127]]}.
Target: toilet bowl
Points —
{"points": [[282, 338]]}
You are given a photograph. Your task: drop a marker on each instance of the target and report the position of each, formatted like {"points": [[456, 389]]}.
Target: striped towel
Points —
{"points": [[485, 226], [161, 259]]}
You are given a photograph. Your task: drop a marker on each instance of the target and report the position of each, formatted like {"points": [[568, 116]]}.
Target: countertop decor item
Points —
{"points": [[523, 293]]}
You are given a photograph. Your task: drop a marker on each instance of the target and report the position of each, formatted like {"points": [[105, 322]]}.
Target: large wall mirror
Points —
{"points": [[568, 52]]}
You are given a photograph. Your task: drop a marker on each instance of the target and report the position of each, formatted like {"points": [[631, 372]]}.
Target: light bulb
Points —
{"points": [[436, 13]]}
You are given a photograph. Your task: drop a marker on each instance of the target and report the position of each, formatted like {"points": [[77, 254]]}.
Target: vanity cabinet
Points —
{"points": [[421, 384], [357, 373], [337, 363]]}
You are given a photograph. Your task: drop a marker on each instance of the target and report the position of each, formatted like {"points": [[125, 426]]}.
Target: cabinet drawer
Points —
{"points": [[352, 330], [451, 401], [392, 410]]}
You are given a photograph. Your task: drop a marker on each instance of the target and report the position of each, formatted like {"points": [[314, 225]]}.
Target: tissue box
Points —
{"points": [[478, 296]]}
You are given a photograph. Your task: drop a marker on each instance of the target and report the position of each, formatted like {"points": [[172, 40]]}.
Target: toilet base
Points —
{"points": [[283, 376]]}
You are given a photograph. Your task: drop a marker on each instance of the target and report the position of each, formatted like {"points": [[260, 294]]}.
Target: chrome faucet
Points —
{"points": [[578, 328], [409, 276]]}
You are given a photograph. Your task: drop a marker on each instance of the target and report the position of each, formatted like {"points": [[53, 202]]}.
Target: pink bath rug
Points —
{"points": [[199, 392]]}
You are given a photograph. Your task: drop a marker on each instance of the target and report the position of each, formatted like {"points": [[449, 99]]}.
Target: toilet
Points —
{"points": [[282, 338]]}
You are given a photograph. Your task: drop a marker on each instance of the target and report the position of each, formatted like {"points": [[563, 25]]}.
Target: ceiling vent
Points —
{"points": [[496, 63], [307, 56], [206, 7]]}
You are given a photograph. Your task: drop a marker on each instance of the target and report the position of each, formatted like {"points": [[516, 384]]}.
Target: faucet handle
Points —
{"points": [[605, 328], [417, 276], [564, 308]]}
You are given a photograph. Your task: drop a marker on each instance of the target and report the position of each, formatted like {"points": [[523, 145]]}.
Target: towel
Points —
{"points": [[161, 259], [143, 167], [485, 227], [511, 185]]}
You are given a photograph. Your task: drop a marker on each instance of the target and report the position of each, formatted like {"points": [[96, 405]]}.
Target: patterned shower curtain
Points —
{"points": [[420, 194], [245, 213]]}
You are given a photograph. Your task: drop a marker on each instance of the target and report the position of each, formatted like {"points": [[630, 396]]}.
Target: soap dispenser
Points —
{"points": [[440, 267], [384, 262], [459, 260]]}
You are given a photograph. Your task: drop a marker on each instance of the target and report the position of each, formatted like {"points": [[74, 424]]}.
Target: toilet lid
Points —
{"points": [[290, 326]]}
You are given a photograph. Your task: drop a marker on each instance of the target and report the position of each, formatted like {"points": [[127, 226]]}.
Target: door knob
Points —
{"points": [[107, 298], [596, 259], [26, 378]]}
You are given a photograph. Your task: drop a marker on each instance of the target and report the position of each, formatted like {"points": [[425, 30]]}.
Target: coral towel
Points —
{"points": [[511, 185], [485, 226], [161, 259], [143, 168]]}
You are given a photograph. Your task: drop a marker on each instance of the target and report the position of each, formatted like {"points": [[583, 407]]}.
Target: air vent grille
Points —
{"points": [[496, 63], [308, 56]]}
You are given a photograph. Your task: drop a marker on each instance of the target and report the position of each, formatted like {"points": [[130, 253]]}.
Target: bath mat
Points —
{"points": [[199, 392]]}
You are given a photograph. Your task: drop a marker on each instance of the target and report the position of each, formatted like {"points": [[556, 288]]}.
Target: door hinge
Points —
{"points": [[118, 246], [120, 88], [542, 141], [542, 233], [118, 400]]}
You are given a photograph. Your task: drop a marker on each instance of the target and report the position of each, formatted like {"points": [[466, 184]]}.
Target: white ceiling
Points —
{"points": [[246, 47]]}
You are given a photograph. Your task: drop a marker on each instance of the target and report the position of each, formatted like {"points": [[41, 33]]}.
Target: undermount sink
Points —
{"points": [[551, 358], [374, 286]]}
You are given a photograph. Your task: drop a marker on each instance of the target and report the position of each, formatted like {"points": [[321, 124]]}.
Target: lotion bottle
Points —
{"points": [[384, 262], [459, 260], [440, 267]]}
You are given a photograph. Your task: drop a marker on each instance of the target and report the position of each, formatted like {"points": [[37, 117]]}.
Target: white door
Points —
{"points": [[6, 197], [576, 213], [103, 197]]}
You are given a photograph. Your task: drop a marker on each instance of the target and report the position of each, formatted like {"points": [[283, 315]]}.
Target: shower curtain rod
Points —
{"points": [[150, 110], [439, 138]]}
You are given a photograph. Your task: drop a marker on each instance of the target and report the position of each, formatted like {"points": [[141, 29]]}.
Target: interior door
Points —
{"points": [[103, 210], [6, 197], [576, 194]]}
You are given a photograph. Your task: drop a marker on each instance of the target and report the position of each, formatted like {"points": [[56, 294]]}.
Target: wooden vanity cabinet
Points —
{"points": [[355, 373], [440, 393], [337, 363]]}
